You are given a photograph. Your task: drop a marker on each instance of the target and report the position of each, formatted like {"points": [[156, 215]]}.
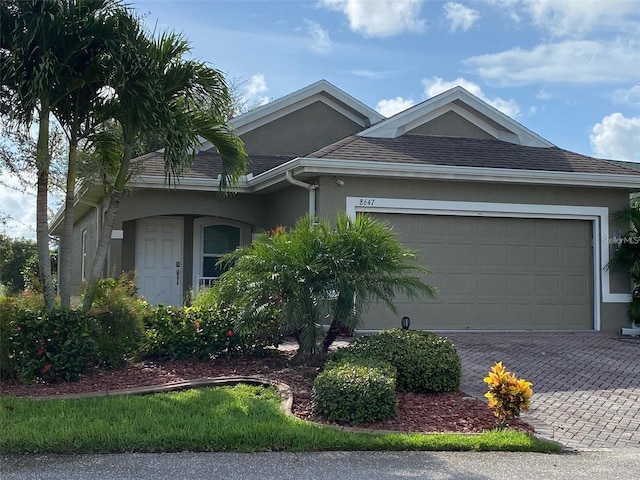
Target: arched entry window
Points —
{"points": [[212, 238], [217, 240]]}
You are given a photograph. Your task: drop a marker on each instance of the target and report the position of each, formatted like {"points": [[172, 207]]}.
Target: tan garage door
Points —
{"points": [[497, 273]]}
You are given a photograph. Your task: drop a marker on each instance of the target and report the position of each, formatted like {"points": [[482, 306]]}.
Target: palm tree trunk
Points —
{"points": [[42, 220], [332, 334], [107, 227], [66, 240], [101, 250]]}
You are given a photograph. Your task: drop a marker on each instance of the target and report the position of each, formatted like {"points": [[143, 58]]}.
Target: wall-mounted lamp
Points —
{"points": [[340, 182], [617, 240], [405, 322]]}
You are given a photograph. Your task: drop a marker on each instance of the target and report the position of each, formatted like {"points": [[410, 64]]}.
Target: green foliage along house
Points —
{"points": [[514, 229]]}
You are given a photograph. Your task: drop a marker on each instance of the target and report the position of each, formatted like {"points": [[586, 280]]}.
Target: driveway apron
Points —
{"points": [[586, 385]]}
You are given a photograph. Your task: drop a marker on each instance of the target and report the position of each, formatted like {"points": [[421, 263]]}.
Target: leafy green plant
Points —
{"points": [[120, 313], [50, 345], [507, 395], [316, 272], [356, 391], [426, 362]]}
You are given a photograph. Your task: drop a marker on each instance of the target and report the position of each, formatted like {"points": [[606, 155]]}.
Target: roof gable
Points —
{"points": [[321, 91], [483, 120]]}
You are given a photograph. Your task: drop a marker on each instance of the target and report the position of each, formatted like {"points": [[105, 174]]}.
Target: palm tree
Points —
{"points": [[48, 51], [316, 272], [28, 68], [89, 33], [156, 90], [626, 255]]}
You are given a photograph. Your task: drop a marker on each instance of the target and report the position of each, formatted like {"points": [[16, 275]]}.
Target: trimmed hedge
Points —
{"points": [[425, 362], [356, 391]]}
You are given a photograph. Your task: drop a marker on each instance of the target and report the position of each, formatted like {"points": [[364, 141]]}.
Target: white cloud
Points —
{"points": [[391, 106], [320, 40], [573, 18], [255, 92], [375, 74], [627, 96], [574, 61], [20, 207], [576, 18], [617, 137], [436, 85], [380, 18], [459, 16]]}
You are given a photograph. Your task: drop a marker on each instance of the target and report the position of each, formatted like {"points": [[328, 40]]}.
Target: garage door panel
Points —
{"points": [[547, 256], [548, 286], [492, 284], [499, 273], [491, 255]]}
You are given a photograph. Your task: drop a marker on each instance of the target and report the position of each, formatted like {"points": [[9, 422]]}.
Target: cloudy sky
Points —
{"points": [[567, 69]]}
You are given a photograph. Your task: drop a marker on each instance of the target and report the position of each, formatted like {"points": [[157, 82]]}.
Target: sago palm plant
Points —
{"points": [[316, 273]]}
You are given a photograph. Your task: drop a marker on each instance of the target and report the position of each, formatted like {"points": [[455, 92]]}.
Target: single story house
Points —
{"points": [[515, 230]]}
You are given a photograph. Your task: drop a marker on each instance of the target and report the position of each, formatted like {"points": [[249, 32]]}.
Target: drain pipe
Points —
{"points": [[311, 188], [97, 207]]}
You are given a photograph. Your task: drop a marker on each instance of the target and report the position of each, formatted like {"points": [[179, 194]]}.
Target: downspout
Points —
{"points": [[311, 188]]}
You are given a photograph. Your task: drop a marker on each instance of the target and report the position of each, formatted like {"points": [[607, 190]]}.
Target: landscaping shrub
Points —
{"points": [[425, 362], [356, 391], [8, 367], [203, 333], [48, 345], [507, 395], [121, 320]]}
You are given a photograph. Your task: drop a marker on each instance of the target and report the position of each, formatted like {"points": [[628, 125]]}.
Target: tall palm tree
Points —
{"points": [[156, 90], [43, 44], [28, 69], [89, 34]]}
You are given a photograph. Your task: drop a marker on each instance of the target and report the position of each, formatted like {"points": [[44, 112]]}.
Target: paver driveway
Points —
{"points": [[586, 385]]}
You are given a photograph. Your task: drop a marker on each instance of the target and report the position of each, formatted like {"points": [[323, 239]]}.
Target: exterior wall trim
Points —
{"points": [[599, 216]]}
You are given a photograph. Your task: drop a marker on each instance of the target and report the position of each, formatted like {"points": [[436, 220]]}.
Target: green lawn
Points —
{"points": [[231, 419]]}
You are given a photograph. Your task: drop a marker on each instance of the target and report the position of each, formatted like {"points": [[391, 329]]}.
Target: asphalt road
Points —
{"points": [[621, 464]]}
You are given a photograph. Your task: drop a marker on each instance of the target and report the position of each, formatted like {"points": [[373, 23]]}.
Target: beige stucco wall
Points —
{"points": [[301, 132], [451, 125], [86, 222]]}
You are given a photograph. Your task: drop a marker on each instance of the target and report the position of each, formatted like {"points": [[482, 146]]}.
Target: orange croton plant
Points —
{"points": [[507, 395]]}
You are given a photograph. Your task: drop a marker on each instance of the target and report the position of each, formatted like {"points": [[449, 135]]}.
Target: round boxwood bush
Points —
{"points": [[355, 391], [425, 362]]}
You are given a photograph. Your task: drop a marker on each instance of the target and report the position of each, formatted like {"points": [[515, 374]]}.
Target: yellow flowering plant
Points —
{"points": [[507, 395]]}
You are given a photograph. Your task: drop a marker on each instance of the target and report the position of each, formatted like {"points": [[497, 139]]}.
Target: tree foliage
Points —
{"points": [[318, 273]]}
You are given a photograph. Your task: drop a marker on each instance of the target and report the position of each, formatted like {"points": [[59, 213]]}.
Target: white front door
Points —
{"points": [[159, 260]]}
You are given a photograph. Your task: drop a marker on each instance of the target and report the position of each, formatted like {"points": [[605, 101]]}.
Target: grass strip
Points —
{"points": [[241, 418]]}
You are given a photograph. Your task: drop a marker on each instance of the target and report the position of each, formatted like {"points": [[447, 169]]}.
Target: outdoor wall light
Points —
{"points": [[405, 322], [340, 182], [617, 240]]}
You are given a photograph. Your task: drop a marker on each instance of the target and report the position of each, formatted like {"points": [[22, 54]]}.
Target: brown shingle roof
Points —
{"points": [[467, 152], [207, 164]]}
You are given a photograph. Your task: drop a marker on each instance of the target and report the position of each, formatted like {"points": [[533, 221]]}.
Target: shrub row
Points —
{"points": [[425, 361], [359, 381], [59, 345]]}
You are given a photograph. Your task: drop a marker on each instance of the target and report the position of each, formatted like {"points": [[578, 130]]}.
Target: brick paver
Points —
{"points": [[586, 385]]}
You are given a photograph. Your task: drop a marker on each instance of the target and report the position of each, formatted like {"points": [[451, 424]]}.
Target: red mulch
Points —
{"points": [[427, 413]]}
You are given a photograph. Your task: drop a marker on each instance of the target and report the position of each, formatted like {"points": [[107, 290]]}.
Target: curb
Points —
{"points": [[285, 391]]}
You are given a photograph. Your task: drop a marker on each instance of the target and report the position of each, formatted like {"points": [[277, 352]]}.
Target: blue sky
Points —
{"points": [[567, 69]]}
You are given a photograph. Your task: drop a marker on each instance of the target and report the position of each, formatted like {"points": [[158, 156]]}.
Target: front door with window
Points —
{"points": [[159, 262]]}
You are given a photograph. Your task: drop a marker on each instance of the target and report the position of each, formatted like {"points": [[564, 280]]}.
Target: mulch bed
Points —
{"points": [[424, 413]]}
